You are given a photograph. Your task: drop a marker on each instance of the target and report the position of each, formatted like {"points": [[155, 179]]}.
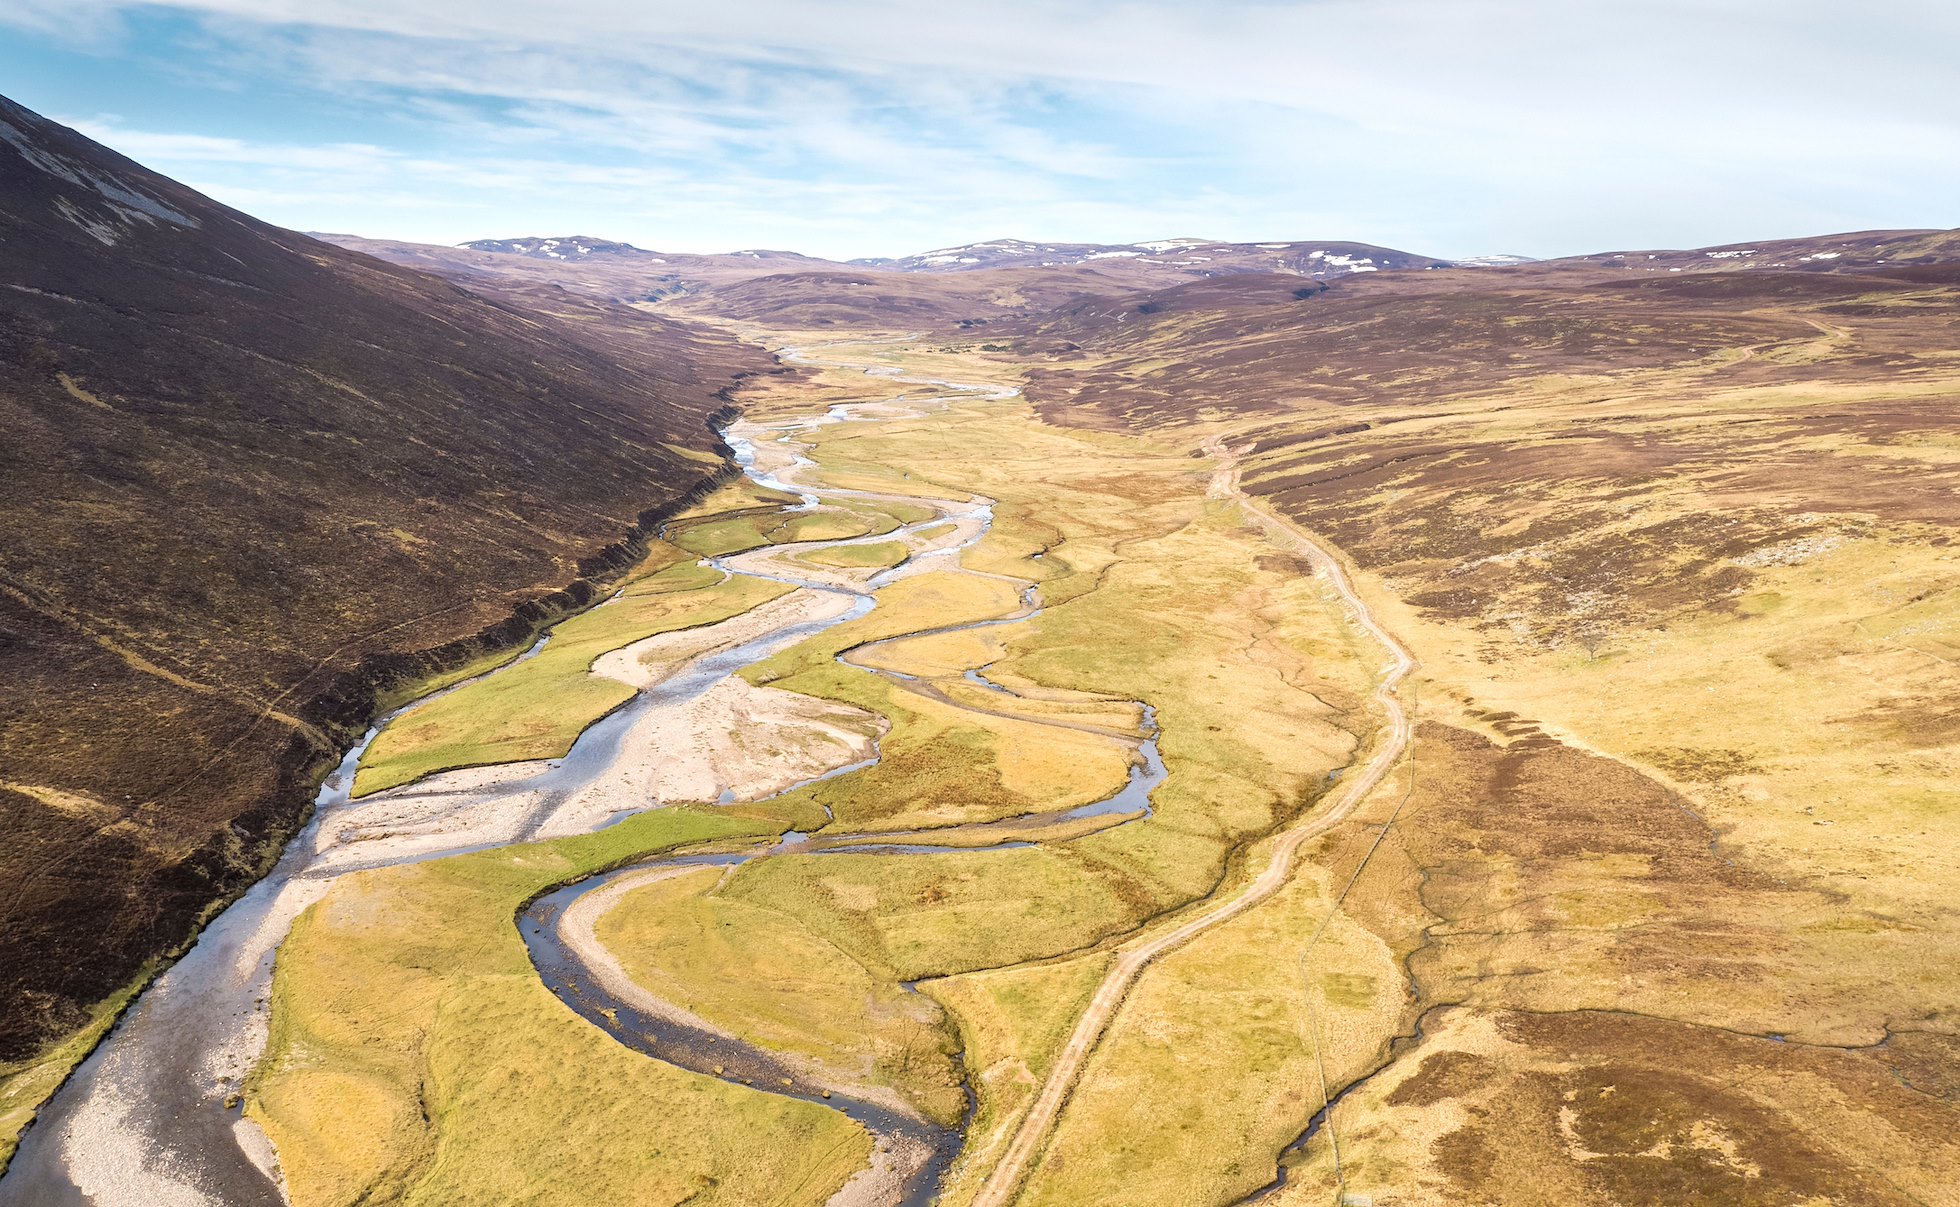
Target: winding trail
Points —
{"points": [[1004, 1183]]}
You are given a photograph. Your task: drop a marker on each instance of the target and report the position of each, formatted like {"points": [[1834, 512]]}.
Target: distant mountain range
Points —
{"points": [[969, 286], [1191, 258], [1198, 256], [1813, 253], [579, 247], [980, 286], [1179, 258]]}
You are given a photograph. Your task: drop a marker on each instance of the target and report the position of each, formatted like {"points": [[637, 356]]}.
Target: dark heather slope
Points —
{"points": [[243, 475]]}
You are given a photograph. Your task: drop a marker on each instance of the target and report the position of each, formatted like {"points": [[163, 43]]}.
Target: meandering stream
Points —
{"points": [[151, 1118]]}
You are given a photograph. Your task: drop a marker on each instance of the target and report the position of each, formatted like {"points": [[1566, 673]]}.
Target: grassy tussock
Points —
{"points": [[851, 557]]}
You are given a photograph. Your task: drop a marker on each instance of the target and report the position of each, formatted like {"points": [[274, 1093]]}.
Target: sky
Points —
{"points": [[850, 128]]}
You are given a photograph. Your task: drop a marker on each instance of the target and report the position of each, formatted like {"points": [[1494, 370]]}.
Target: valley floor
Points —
{"points": [[972, 807]]}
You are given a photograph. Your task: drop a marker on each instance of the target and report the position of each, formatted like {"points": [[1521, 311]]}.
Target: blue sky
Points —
{"points": [[874, 127]]}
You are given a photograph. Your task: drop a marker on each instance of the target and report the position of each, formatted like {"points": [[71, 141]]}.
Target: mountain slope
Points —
{"points": [[236, 461], [1851, 251]]}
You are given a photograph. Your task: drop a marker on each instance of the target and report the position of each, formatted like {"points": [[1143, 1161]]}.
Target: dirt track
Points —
{"points": [[1003, 1184]]}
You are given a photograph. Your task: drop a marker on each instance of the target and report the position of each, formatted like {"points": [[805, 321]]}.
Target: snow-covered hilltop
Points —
{"points": [[563, 247], [1200, 256]]}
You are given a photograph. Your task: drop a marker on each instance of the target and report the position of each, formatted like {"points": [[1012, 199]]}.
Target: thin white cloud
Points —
{"points": [[1451, 126], [207, 149]]}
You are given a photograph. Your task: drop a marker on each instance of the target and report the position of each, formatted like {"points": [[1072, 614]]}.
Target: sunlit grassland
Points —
{"points": [[1215, 1061], [1805, 725], [1798, 709], [903, 512], [1048, 704], [714, 533], [1012, 1022], [809, 389], [956, 360], [763, 976], [1024, 545], [741, 494], [537, 709], [1801, 706], [402, 980], [877, 555], [941, 765], [1733, 577], [660, 555], [1240, 661], [715, 536], [1724, 586], [415, 1057], [831, 524], [940, 655], [869, 475], [944, 658], [1255, 677], [388, 701]]}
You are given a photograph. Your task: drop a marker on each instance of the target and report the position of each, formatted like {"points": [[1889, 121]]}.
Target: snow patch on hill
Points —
{"points": [[113, 206], [570, 247]]}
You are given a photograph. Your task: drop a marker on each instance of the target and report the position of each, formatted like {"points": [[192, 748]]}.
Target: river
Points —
{"points": [[151, 1118]]}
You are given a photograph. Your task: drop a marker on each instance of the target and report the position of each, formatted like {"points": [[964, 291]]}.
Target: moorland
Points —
{"points": [[1424, 735]]}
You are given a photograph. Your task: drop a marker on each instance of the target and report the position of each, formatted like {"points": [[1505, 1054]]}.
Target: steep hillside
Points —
{"points": [[238, 465]]}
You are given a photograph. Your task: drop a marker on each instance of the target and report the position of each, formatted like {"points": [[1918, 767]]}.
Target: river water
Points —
{"points": [[151, 1119]]}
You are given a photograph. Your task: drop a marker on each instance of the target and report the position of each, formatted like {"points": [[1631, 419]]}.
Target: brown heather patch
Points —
{"points": [[1597, 1108], [1629, 1126], [1443, 1075], [1560, 879], [1700, 764], [1639, 981]]}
